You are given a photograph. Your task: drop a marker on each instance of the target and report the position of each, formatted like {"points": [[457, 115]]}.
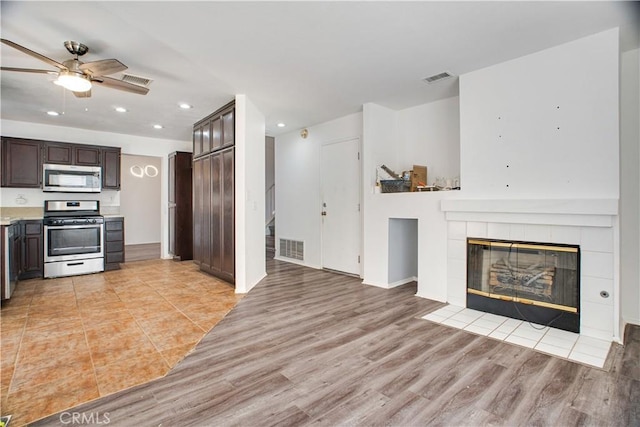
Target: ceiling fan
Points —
{"points": [[78, 76]]}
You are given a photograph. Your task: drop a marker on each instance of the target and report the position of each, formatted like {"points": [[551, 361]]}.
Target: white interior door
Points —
{"points": [[340, 192]]}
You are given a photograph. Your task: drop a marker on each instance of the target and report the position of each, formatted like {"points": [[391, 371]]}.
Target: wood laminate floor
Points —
{"points": [[310, 347]]}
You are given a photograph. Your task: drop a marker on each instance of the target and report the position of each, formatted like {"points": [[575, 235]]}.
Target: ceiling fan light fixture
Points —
{"points": [[73, 82]]}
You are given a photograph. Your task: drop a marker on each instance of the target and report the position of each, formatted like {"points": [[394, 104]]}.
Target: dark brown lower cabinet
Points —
{"points": [[32, 256], [214, 213], [113, 243]]}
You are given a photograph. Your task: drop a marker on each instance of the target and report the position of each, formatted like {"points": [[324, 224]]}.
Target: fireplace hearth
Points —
{"points": [[535, 282]]}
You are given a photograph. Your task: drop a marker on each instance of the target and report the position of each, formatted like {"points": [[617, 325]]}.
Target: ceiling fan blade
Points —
{"points": [[103, 67], [120, 85], [86, 94], [29, 70], [34, 54]]}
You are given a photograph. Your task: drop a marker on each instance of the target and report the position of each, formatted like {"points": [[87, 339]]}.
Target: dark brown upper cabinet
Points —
{"points": [[58, 153], [84, 155], [61, 153], [21, 163], [110, 168], [197, 139], [228, 128], [215, 131]]}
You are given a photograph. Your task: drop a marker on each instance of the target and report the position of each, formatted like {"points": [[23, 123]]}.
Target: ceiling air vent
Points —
{"points": [[136, 80], [292, 249], [437, 77]]}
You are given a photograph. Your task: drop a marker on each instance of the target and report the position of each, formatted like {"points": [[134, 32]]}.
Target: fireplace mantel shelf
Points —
{"points": [[578, 212]]}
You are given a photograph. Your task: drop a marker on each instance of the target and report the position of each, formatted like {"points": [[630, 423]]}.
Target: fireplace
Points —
{"points": [[535, 282]]}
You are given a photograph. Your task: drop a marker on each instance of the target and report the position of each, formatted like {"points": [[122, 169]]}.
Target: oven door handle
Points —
{"points": [[69, 227]]}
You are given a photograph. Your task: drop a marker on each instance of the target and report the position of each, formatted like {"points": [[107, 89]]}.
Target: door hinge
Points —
{"points": [[358, 207], [358, 259], [358, 155]]}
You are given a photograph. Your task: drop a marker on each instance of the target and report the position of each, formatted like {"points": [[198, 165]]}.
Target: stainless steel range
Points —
{"points": [[73, 237]]}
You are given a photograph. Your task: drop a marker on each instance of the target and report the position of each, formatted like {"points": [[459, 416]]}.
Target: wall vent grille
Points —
{"points": [[136, 80], [292, 249], [437, 77]]}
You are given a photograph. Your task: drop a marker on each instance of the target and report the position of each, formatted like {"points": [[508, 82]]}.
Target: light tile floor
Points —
{"points": [[556, 342], [70, 340]]}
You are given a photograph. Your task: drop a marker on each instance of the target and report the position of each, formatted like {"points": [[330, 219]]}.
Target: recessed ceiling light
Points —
{"points": [[53, 113], [121, 109], [281, 125], [158, 126], [185, 106]]}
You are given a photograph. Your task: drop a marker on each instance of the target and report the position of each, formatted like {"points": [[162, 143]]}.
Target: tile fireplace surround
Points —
{"points": [[590, 223]]}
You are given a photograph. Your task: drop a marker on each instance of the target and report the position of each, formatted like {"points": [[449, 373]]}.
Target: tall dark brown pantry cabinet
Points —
{"points": [[213, 193], [180, 206]]}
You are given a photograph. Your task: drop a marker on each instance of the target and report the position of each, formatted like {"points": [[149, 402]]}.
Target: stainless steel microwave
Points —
{"points": [[72, 179]]}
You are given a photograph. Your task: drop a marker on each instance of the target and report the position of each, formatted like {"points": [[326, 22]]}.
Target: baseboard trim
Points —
{"points": [[142, 252]]}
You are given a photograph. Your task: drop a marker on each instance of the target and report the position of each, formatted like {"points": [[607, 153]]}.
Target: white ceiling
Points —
{"points": [[301, 63]]}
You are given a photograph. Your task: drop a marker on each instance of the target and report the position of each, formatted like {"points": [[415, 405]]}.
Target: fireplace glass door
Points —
{"points": [[538, 282]]}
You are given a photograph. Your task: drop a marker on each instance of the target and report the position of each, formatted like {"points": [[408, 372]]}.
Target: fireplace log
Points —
{"points": [[534, 268], [544, 274], [535, 278], [507, 279], [542, 287]]}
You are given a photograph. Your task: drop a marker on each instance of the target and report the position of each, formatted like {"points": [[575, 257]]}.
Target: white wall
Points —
{"points": [[403, 251], [249, 194], [389, 137], [544, 125], [429, 135], [129, 144], [630, 186], [297, 166], [140, 199], [553, 118], [35, 197], [381, 143]]}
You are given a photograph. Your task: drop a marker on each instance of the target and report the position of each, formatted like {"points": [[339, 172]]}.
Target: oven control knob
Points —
{"points": [[93, 221]]}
